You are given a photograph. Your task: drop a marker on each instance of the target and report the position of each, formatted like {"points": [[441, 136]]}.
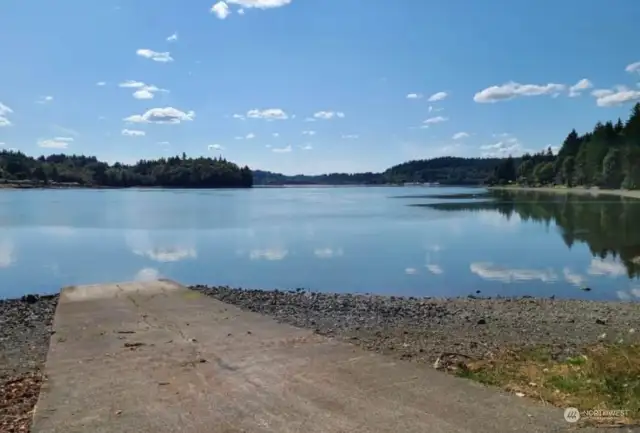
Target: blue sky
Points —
{"points": [[311, 85]]}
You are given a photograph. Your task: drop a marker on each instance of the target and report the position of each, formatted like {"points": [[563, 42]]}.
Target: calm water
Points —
{"points": [[379, 240]]}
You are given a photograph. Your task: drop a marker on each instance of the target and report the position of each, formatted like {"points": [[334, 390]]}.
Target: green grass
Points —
{"points": [[602, 377]]}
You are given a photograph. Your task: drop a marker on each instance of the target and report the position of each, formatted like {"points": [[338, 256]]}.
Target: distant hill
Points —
{"points": [[447, 170]]}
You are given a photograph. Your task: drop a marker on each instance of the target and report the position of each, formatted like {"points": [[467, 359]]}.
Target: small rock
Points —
{"points": [[600, 322], [192, 340], [482, 322], [30, 299], [520, 394], [585, 289], [118, 412]]}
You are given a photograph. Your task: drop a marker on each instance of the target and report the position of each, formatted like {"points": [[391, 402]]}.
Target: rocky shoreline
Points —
{"points": [[425, 330]]}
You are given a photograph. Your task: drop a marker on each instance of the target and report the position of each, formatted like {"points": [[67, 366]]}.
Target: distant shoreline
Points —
{"points": [[575, 190]]}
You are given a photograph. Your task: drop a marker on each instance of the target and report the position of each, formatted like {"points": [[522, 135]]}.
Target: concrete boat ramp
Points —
{"points": [[157, 357]]}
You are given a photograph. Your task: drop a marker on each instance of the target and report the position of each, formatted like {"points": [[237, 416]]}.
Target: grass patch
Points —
{"points": [[603, 377]]}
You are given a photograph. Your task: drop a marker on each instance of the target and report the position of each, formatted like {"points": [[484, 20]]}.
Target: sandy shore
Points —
{"points": [[576, 190]]}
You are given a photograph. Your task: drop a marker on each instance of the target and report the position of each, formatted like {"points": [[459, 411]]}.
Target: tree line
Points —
{"points": [[78, 170], [607, 157]]}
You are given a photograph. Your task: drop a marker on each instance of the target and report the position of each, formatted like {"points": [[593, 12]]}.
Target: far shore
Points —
{"points": [[574, 190]]}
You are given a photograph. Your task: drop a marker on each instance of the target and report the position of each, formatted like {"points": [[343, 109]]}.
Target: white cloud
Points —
{"points": [[270, 254], [574, 278], [275, 134], [221, 10], [167, 115], [576, 89], [215, 147], [350, 136], [101, 83], [259, 4], [434, 109], [131, 84], [309, 119], [133, 133], [238, 137], [250, 135], [437, 97], [240, 11], [512, 90], [4, 110], [508, 145], [437, 119], [489, 271], [173, 37], [414, 96], [238, 116], [306, 147], [308, 132], [268, 114], [633, 67], [154, 55], [143, 91], [410, 271], [55, 143], [285, 149], [619, 95], [460, 135], [326, 115], [44, 100], [168, 255]]}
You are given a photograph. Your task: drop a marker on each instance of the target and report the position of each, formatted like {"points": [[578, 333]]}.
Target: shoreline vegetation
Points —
{"points": [[577, 353], [594, 192]]}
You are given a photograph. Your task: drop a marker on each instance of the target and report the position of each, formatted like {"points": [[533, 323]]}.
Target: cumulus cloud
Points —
{"points": [[576, 89], [285, 149], [168, 115], [414, 96], [614, 97], [259, 4], [308, 132], [633, 67], [350, 136], [460, 135], [221, 10], [215, 147], [437, 119], [55, 143], [439, 96], [173, 37], [143, 91], [4, 111], [508, 145], [133, 133], [163, 57], [512, 90], [45, 100], [268, 114], [326, 115], [606, 267]]}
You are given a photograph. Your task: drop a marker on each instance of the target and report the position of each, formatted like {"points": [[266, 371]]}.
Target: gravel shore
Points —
{"points": [[417, 329], [25, 330], [423, 329]]}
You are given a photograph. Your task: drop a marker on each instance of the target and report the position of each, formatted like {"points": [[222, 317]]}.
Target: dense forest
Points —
{"points": [[609, 231], [73, 170], [607, 157], [446, 170]]}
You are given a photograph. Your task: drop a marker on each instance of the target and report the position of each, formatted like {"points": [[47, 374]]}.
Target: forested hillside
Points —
{"points": [[607, 157], [18, 168], [446, 170]]}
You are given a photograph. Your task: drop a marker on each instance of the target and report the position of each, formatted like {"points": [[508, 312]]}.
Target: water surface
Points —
{"points": [[410, 241]]}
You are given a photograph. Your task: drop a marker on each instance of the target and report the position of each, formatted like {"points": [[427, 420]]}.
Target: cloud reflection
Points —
{"points": [[606, 267], [160, 250], [574, 278], [434, 269], [489, 271], [327, 253], [147, 274], [7, 253], [270, 254]]}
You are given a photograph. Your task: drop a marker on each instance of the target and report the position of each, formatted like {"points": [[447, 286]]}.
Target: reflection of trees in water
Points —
{"points": [[609, 226]]}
